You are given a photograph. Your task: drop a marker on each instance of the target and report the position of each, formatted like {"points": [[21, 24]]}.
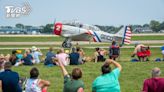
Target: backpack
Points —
{"points": [[114, 50]]}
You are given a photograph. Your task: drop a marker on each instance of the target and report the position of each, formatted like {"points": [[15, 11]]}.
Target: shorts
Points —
{"points": [[163, 52]]}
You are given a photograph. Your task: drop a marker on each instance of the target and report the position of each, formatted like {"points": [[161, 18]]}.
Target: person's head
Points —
{"points": [[73, 50], [28, 51], [34, 73], [135, 45], [97, 49], [113, 42], [156, 72], [76, 73], [51, 49], [14, 51], [34, 48], [7, 65], [78, 49], [105, 68], [61, 50]]}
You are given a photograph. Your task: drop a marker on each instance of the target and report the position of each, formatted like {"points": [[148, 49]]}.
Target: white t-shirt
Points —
{"points": [[32, 85]]}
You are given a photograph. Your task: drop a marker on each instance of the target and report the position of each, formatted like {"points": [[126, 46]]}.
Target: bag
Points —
{"points": [[157, 60], [134, 60]]}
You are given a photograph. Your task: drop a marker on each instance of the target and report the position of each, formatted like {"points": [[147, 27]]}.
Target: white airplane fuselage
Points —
{"points": [[98, 36], [88, 33]]}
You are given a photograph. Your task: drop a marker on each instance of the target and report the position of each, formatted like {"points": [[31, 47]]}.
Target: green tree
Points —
{"points": [[19, 25], [162, 26], [155, 25], [146, 25], [48, 28]]}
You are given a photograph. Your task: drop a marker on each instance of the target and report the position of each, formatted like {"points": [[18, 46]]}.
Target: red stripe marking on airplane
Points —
{"points": [[127, 41], [94, 39]]}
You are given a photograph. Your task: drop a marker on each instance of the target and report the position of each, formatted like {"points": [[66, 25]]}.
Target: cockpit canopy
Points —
{"points": [[80, 25]]}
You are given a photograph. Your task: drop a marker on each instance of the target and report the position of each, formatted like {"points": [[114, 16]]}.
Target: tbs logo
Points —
{"points": [[15, 11]]}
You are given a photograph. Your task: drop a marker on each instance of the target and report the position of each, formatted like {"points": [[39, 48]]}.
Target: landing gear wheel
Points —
{"points": [[66, 45]]}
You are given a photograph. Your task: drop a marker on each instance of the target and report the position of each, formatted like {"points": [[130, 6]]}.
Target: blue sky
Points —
{"points": [[102, 12]]}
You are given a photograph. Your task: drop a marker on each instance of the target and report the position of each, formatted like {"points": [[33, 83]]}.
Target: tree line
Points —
{"points": [[154, 25]]}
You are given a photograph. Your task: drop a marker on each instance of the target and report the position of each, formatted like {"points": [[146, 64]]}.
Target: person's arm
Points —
{"points": [[116, 64], [95, 54], [80, 90], [64, 71], [44, 83], [145, 87]]}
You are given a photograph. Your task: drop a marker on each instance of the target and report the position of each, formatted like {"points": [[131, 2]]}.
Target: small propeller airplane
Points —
{"points": [[75, 31]]}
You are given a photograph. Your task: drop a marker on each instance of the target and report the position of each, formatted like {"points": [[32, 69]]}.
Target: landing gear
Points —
{"points": [[67, 43]]}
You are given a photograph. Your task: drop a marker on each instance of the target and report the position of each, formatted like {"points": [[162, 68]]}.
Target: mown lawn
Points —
{"points": [[131, 79], [52, 39]]}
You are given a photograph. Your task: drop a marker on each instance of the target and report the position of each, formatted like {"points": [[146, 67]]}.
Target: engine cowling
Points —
{"points": [[57, 28]]}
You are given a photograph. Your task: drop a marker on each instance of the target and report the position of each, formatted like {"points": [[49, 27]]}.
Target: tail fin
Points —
{"points": [[125, 33]]}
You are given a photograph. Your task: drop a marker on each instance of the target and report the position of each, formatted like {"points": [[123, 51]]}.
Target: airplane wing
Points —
{"points": [[82, 37]]}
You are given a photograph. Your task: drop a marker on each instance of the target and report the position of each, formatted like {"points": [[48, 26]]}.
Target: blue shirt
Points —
{"points": [[107, 82], [28, 60], [162, 48], [48, 59], [10, 81], [74, 58]]}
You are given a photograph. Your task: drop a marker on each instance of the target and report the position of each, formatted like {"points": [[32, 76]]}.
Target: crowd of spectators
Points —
{"points": [[108, 81]]}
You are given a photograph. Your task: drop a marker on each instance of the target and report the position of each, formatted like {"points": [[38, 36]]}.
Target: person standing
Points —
{"points": [[114, 51]]}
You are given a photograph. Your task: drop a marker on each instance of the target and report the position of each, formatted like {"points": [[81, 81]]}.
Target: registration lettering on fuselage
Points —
{"points": [[106, 37]]}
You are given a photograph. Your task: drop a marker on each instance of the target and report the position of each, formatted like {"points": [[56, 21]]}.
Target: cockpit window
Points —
{"points": [[80, 25]]}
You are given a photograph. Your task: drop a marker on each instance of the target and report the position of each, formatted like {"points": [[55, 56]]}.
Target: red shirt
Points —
{"points": [[153, 85]]}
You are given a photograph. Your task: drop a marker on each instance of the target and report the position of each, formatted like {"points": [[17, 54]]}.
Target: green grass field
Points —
{"points": [[131, 79], [51, 38]]}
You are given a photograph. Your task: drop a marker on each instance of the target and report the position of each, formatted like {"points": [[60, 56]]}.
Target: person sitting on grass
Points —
{"points": [[71, 84], [154, 84], [36, 54], [140, 51], [74, 57], [9, 80], [63, 57], [108, 80], [19, 56], [34, 84], [99, 55], [28, 58], [13, 58], [49, 56], [81, 55]]}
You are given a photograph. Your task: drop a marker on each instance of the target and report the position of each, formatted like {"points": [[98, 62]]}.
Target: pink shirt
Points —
{"points": [[153, 85], [63, 57]]}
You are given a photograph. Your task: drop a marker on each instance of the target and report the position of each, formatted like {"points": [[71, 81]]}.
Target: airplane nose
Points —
{"points": [[58, 28]]}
